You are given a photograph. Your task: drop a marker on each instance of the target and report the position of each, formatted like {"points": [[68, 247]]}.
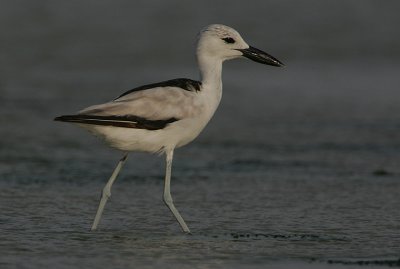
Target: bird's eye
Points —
{"points": [[228, 40]]}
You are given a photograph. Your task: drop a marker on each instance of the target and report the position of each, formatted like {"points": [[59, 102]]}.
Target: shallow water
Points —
{"points": [[299, 168]]}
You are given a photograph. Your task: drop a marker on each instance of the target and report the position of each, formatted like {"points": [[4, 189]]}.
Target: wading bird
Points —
{"points": [[160, 117]]}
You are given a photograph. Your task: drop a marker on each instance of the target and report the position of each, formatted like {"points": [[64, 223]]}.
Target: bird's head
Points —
{"points": [[225, 43]]}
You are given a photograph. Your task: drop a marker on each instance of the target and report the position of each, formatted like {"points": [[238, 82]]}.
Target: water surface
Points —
{"points": [[299, 168]]}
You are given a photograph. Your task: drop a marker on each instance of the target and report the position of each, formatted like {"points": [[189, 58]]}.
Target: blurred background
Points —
{"points": [[306, 156]]}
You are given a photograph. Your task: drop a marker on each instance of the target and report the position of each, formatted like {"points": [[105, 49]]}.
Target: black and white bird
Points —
{"points": [[160, 117]]}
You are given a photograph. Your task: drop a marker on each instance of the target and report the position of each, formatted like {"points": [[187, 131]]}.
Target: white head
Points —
{"points": [[224, 43]]}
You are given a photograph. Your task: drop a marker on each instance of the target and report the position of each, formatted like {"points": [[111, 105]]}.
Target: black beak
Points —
{"points": [[260, 56]]}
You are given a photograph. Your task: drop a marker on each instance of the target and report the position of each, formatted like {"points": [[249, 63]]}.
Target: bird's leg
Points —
{"points": [[167, 192], [107, 192]]}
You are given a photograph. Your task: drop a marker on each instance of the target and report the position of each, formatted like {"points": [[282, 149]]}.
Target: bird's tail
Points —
{"points": [[69, 118]]}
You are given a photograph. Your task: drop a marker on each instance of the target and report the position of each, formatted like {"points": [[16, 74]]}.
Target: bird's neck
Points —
{"points": [[210, 72], [211, 83]]}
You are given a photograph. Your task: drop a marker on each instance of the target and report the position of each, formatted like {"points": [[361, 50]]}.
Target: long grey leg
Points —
{"points": [[107, 192], [167, 192]]}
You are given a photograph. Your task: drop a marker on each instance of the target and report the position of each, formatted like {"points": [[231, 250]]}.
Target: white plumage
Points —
{"points": [[159, 103], [163, 116]]}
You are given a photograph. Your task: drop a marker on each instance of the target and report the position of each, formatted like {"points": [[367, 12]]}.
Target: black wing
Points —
{"points": [[118, 121]]}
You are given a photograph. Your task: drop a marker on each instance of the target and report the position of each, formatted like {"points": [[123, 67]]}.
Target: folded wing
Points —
{"points": [[152, 109]]}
